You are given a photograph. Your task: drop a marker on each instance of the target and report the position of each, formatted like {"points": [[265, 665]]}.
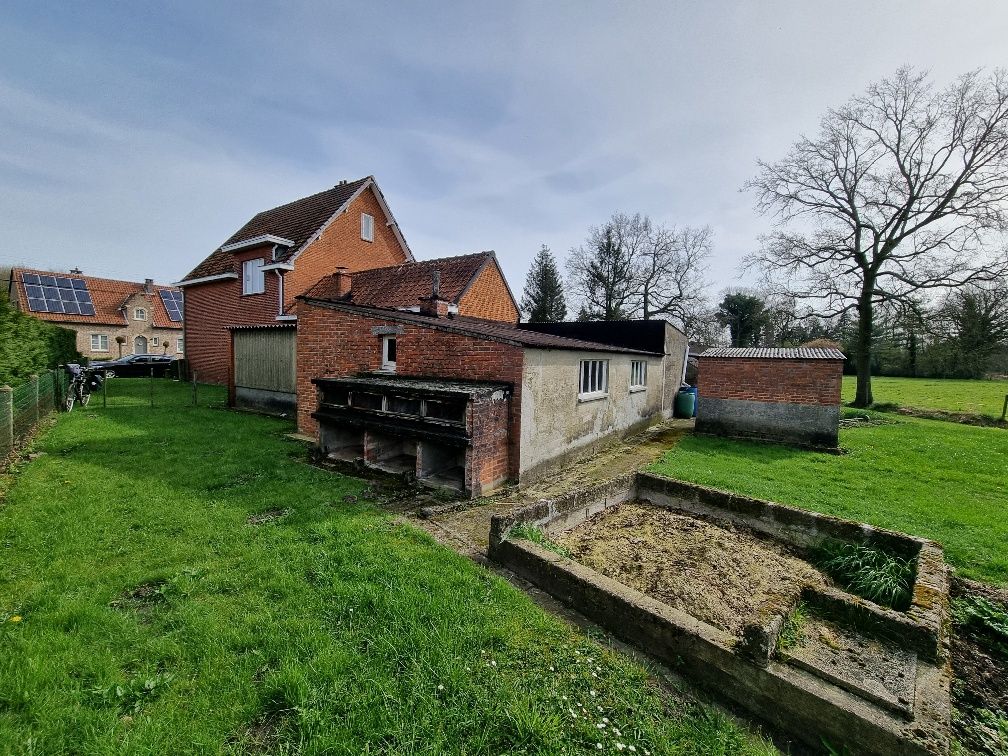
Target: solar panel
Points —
{"points": [[173, 304], [69, 296]]}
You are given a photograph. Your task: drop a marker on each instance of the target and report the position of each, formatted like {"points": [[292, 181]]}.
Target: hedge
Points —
{"points": [[29, 345]]}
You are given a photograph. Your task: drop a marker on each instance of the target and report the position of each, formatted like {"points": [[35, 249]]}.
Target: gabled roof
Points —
{"points": [[108, 296], [406, 284], [491, 330], [773, 353], [298, 222]]}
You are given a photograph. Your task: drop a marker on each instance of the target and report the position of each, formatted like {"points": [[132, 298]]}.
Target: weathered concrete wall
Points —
{"points": [[264, 400], [556, 426], [805, 424]]}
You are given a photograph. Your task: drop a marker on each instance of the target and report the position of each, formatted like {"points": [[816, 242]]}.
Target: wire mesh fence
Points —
{"points": [[22, 407]]}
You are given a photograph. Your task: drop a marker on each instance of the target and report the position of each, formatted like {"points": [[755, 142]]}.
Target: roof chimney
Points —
{"points": [[148, 286], [76, 271], [433, 305], [343, 280]]}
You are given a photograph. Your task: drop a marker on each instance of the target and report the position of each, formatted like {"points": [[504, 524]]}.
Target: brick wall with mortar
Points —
{"points": [[334, 343], [211, 307], [489, 297], [775, 380]]}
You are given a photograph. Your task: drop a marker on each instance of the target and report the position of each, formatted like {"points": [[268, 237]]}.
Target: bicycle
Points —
{"points": [[82, 383]]}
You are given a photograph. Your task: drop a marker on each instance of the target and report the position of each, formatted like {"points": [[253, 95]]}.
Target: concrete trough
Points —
{"points": [[811, 693]]}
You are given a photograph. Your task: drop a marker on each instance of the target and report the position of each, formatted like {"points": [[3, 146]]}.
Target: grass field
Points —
{"points": [[974, 397], [939, 480], [142, 612]]}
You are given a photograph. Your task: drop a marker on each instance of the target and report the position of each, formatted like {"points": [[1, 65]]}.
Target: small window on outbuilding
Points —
{"points": [[366, 227], [638, 375], [594, 382], [389, 353]]}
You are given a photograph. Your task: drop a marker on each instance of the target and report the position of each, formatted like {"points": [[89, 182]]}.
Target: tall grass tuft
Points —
{"points": [[869, 572]]}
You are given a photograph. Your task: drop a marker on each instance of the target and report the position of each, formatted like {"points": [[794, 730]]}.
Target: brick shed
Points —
{"points": [[788, 395]]}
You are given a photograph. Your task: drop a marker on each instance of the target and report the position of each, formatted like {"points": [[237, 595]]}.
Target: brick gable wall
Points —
{"points": [[489, 297], [333, 343], [340, 245], [771, 380]]}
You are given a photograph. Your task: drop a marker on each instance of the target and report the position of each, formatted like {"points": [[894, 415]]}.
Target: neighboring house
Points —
{"points": [[404, 383], [147, 316], [253, 277]]}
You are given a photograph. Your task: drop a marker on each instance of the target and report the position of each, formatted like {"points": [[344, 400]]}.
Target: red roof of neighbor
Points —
{"points": [[107, 295], [406, 284], [492, 330], [774, 353], [297, 221]]}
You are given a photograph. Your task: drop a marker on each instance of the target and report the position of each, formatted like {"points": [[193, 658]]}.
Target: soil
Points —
{"points": [[979, 679], [720, 574]]}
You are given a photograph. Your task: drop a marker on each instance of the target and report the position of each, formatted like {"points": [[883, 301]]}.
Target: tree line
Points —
{"points": [[888, 237]]}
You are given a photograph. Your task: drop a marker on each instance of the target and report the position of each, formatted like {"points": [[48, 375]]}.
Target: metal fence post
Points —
{"points": [[35, 400], [55, 390], [6, 420]]}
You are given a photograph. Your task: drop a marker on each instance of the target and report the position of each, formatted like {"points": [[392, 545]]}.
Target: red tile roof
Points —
{"points": [[774, 353], [406, 284], [297, 221], [108, 296]]}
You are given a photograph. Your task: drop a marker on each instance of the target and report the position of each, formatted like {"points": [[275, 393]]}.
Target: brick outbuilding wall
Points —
{"points": [[781, 396], [335, 343]]}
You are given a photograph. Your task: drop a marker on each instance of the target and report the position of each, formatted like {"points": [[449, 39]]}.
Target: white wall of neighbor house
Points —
{"points": [[557, 421]]}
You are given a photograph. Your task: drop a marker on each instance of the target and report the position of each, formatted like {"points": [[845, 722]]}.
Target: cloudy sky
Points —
{"points": [[136, 137]]}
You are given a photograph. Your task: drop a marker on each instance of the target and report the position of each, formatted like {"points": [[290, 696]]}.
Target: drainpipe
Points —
{"points": [[280, 288]]}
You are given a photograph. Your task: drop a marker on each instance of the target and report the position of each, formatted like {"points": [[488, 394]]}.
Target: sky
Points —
{"points": [[136, 137]]}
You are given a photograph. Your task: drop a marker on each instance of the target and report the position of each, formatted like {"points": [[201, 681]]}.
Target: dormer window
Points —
{"points": [[139, 313], [366, 227]]}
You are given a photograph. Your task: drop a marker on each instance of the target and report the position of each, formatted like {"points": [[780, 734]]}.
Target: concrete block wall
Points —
{"points": [[792, 400]]}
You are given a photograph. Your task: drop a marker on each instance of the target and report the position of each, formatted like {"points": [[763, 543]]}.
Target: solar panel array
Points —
{"points": [[173, 304], [57, 294]]}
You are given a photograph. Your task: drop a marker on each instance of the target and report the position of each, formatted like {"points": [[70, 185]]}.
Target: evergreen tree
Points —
{"points": [[543, 298]]}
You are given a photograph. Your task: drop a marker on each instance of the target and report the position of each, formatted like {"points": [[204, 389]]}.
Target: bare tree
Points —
{"points": [[903, 191], [632, 267]]}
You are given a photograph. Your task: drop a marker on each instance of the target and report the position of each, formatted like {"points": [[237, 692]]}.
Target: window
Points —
{"points": [[155, 342], [594, 379], [388, 361], [99, 342], [638, 374], [366, 227], [253, 278], [139, 313], [178, 345]]}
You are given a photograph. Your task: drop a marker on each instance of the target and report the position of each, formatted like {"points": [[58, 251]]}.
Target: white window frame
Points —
{"points": [[102, 339], [179, 343], [139, 313], [593, 380], [367, 227], [155, 341], [253, 277], [638, 375], [387, 364]]}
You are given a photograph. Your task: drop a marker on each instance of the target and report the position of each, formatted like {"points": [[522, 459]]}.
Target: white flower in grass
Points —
{"points": [[440, 687], [593, 693], [620, 746], [600, 726], [606, 721], [631, 749], [598, 746]]}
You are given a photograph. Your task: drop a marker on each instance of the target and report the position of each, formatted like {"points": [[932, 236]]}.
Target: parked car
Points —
{"points": [[137, 365]]}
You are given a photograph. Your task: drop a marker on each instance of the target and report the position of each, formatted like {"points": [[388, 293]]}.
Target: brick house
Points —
{"points": [[419, 387], [790, 395], [254, 276], [147, 316]]}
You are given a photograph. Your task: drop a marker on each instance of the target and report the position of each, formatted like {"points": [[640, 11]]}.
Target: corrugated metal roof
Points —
{"points": [[774, 353]]}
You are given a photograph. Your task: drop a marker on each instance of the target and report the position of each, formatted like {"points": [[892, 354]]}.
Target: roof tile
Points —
{"points": [[773, 353]]}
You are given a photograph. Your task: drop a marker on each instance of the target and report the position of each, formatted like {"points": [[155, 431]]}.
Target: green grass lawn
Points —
{"points": [[974, 397], [140, 612], [938, 480]]}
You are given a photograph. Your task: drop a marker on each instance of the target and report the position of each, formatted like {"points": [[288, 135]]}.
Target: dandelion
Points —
{"points": [[16, 618]]}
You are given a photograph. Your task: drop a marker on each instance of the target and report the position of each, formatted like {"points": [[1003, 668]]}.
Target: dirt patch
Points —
{"points": [[141, 599], [270, 515], [979, 692], [262, 735], [723, 575]]}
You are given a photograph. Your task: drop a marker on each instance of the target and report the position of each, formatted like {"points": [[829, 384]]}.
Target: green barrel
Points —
{"points": [[684, 403]]}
